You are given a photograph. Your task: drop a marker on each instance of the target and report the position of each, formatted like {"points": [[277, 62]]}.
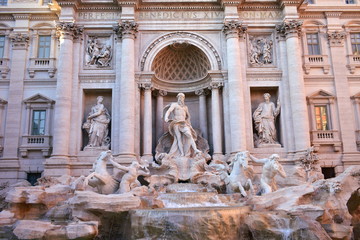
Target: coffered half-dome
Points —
{"points": [[181, 62]]}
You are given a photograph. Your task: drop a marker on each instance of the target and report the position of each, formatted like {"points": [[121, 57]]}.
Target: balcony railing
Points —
{"points": [[354, 62], [327, 137], [38, 142], [316, 61], [42, 65]]}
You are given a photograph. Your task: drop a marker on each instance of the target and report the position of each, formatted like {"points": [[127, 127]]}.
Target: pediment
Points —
{"points": [[322, 94], [38, 98]]}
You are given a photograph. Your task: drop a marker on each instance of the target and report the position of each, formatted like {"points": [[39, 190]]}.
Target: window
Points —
{"points": [[3, 2], [313, 43], [321, 118], [355, 43], [44, 46], [349, 1], [38, 122], [2, 45], [329, 172]]}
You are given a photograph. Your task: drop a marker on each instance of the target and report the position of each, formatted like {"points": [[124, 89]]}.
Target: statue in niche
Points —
{"points": [[264, 119], [260, 51], [98, 54], [271, 167], [177, 114], [97, 125]]}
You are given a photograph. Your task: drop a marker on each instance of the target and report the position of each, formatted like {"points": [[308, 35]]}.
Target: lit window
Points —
{"points": [[321, 118], [38, 122], [313, 43], [2, 45], [3, 2], [355, 43], [44, 46]]}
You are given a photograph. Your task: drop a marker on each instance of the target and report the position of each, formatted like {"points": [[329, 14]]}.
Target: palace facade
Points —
{"points": [[57, 57]]}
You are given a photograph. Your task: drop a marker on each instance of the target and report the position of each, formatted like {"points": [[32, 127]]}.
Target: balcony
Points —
{"points": [[4, 67], [328, 137], [354, 62], [38, 142], [316, 61], [42, 65]]}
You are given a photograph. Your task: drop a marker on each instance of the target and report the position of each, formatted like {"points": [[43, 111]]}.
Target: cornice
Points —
{"points": [[21, 16], [333, 14], [257, 6], [97, 8]]}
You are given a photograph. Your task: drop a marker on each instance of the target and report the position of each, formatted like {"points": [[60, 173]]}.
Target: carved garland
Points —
{"points": [[19, 39], [180, 35]]}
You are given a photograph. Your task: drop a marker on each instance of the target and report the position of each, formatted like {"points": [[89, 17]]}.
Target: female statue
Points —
{"points": [[97, 125]]}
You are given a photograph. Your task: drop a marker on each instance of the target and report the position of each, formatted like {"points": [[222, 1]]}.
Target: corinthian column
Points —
{"points": [[9, 162], [232, 30], [202, 112], [58, 163], [216, 118], [127, 30], [147, 129], [291, 29], [159, 113]]}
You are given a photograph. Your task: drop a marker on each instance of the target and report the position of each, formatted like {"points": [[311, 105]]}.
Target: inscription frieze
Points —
{"points": [[99, 16], [180, 15], [261, 15]]}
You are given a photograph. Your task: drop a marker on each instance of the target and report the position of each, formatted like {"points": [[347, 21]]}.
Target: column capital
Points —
{"points": [[216, 85], [145, 86], [126, 29], [202, 92], [69, 30], [336, 38], [233, 29], [19, 40], [289, 28]]}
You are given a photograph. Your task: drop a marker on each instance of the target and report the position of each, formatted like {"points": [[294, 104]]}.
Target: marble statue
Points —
{"points": [[97, 125], [264, 119], [97, 53], [310, 164], [271, 167], [178, 117], [240, 175], [129, 181], [100, 177]]}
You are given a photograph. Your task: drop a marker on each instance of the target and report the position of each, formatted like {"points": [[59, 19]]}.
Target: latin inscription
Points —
{"points": [[260, 15], [180, 15], [99, 15]]}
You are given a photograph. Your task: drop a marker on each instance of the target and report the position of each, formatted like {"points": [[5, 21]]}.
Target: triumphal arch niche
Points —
{"points": [[181, 62]]}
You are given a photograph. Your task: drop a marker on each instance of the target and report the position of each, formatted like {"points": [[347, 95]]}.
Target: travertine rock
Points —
{"points": [[82, 230], [7, 218], [30, 229]]}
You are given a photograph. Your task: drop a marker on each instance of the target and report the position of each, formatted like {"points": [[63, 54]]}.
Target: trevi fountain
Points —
{"points": [[184, 193]]}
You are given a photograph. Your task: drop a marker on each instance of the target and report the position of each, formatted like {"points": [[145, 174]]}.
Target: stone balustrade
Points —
{"points": [[42, 65], [328, 137], [316, 61], [38, 142]]}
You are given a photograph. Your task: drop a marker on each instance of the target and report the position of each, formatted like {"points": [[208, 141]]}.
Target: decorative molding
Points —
{"points": [[179, 35], [19, 40], [69, 30], [216, 85], [126, 29], [110, 78], [288, 27], [336, 38], [145, 86], [233, 29]]}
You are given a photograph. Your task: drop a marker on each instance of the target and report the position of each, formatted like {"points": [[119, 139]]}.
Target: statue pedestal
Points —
{"points": [[269, 145]]}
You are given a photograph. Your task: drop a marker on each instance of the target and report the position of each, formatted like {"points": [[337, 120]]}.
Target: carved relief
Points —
{"points": [[19, 39], [260, 50], [98, 52]]}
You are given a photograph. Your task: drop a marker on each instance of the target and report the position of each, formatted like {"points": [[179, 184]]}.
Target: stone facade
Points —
{"points": [[57, 57]]}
